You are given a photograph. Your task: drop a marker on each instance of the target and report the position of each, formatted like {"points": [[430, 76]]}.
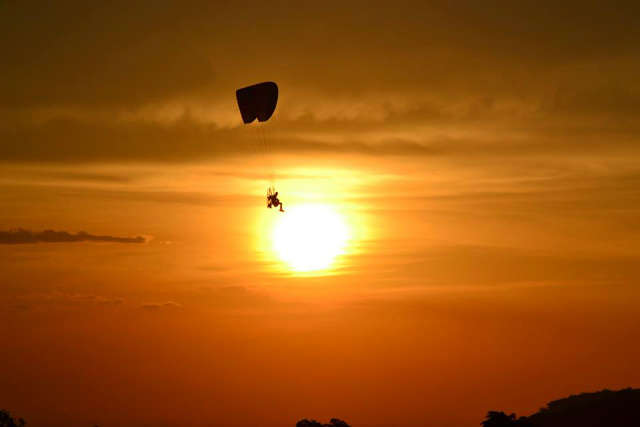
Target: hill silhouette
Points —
{"points": [[604, 408]]}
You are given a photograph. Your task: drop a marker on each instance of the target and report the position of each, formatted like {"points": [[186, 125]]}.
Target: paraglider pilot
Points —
{"points": [[272, 200]]}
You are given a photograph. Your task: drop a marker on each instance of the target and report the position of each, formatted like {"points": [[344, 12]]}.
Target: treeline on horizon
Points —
{"points": [[604, 408]]}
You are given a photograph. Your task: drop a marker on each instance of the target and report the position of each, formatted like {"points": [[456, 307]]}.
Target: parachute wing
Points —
{"points": [[257, 101]]}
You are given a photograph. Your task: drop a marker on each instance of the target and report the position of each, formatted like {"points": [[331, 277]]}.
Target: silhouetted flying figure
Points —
{"points": [[272, 200]]}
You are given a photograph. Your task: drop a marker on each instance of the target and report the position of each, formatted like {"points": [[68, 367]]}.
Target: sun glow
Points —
{"points": [[310, 237]]}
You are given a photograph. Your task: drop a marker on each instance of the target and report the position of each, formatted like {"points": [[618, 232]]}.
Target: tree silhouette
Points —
{"points": [[499, 419], [522, 422], [334, 422], [6, 420]]}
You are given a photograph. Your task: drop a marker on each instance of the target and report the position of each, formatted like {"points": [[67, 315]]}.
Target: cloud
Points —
{"points": [[106, 301], [393, 81], [37, 299], [79, 298], [18, 236], [158, 305]]}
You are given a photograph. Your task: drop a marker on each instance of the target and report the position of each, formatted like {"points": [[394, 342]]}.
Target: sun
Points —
{"points": [[310, 237]]}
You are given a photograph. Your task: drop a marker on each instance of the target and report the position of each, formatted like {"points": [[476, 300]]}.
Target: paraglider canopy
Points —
{"points": [[257, 101]]}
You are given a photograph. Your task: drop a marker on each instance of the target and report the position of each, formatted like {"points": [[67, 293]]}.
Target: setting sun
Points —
{"points": [[310, 237]]}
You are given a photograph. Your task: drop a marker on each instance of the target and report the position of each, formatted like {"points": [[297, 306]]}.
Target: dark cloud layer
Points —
{"points": [[22, 236], [118, 81]]}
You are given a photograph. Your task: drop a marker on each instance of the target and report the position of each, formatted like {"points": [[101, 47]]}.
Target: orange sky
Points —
{"points": [[484, 156]]}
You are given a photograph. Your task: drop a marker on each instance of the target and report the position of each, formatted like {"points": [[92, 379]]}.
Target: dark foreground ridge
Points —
{"points": [[604, 408]]}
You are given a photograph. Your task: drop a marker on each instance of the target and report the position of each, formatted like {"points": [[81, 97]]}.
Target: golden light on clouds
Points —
{"points": [[461, 183], [308, 238]]}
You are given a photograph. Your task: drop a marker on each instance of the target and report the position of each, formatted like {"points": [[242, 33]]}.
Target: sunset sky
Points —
{"points": [[473, 165]]}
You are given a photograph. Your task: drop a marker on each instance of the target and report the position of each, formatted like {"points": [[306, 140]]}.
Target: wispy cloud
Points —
{"points": [[19, 236], [37, 299], [158, 305]]}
